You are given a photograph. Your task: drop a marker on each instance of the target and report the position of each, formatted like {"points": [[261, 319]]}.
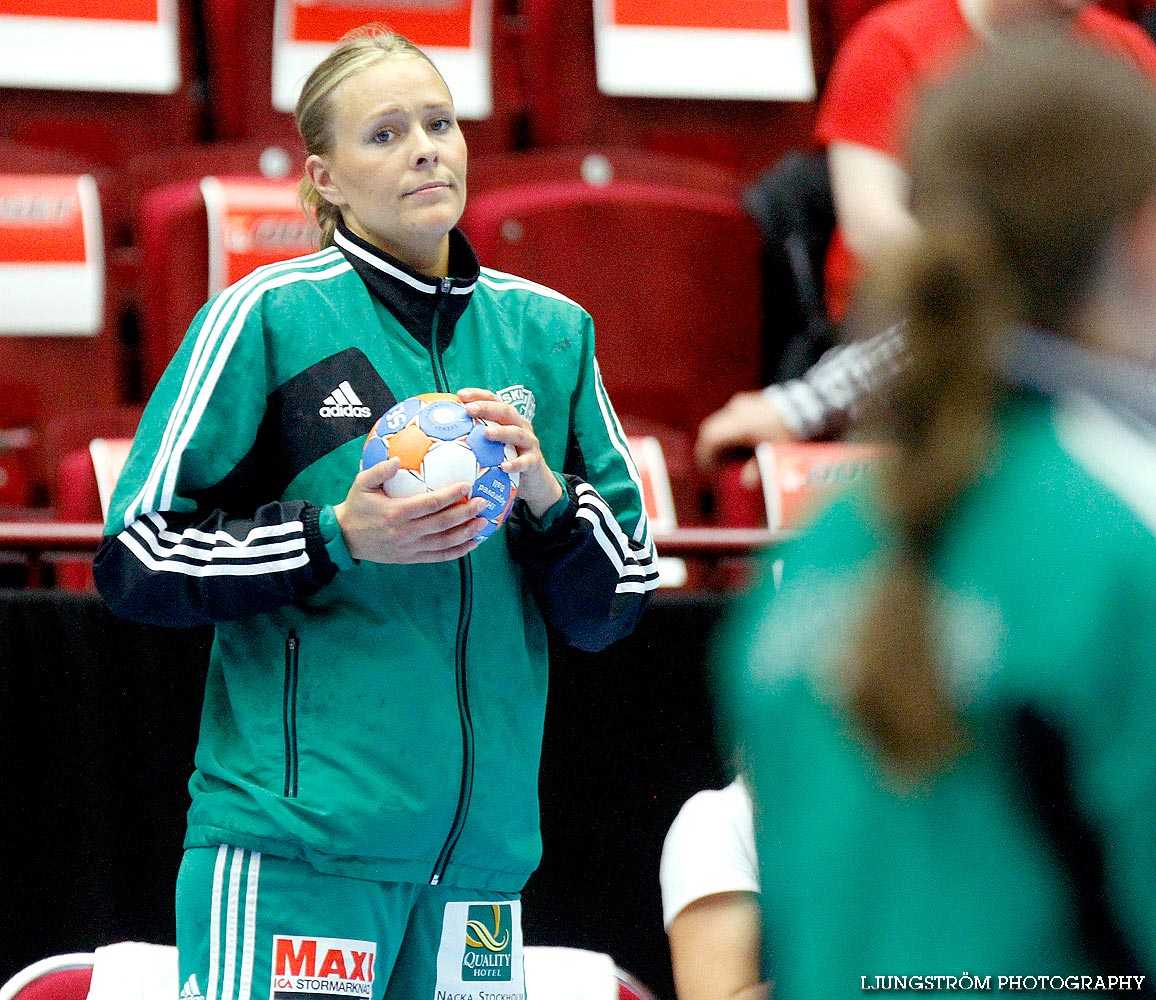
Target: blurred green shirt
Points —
{"points": [[1045, 607]]}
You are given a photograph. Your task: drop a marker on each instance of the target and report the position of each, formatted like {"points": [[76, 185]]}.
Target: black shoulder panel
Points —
{"points": [[318, 410]]}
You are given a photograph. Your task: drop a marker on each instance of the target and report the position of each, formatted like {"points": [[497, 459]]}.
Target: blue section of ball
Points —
{"points": [[489, 452], [495, 487], [444, 420], [375, 451], [397, 416]]}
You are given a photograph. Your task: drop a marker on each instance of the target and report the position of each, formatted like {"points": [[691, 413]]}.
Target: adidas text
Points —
{"points": [[344, 411], [343, 402]]}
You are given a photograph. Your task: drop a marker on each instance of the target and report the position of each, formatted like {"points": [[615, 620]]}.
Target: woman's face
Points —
{"points": [[397, 169]]}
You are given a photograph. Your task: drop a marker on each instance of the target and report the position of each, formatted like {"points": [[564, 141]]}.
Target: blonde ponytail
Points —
{"points": [[320, 210]]}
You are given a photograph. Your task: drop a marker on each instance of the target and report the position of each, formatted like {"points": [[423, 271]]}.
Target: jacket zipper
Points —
{"points": [[289, 713], [441, 382], [466, 788], [465, 576]]}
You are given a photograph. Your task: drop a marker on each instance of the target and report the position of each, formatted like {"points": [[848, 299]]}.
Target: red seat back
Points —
{"points": [[670, 275], [62, 977], [58, 374], [106, 126], [175, 252], [566, 108]]}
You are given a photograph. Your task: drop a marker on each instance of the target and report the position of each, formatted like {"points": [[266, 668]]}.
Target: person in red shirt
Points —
{"points": [[890, 54]]}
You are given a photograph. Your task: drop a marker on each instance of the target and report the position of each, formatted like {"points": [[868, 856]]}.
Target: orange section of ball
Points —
{"points": [[409, 445]]}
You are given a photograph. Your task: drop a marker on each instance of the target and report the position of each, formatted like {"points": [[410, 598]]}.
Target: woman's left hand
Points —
{"points": [[537, 485]]}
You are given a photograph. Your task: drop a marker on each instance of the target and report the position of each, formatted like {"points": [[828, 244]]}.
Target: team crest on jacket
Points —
{"points": [[520, 398]]}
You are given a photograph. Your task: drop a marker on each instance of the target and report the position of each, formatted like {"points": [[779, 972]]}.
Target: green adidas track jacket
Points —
{"points": [[378, 721]]}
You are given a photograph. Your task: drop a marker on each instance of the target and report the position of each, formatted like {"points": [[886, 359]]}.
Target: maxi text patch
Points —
{"points": [[322, 968]]}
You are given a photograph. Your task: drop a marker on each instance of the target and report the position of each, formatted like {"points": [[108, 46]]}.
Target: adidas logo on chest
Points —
{"points": [[343, 402]]}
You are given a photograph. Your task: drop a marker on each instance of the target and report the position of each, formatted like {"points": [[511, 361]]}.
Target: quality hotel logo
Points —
{"points": [[489, 944]]}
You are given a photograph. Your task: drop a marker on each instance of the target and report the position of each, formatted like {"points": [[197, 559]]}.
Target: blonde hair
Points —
{"points": [[357, 51], [1024, 165]]}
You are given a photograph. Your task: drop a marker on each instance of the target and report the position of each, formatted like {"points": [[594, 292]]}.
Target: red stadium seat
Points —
{"points": [[566, 108], [598, 166], [126, 969], [61, 977], [109, 127], [659, 251], [73, 490], [669, 272], [115, 199], [175, 254], [49, 364], [676, 472], [245, 158], [793, 479], [239, 46]]}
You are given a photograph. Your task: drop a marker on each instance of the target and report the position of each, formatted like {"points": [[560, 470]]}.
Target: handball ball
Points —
{"points": [[438, 444]]}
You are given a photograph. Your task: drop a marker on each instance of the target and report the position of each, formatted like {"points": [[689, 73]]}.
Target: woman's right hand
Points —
{"points": [[433, 527]]}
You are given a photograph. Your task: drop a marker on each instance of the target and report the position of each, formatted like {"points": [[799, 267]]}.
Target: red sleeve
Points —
{"points": [[896, 49], [1125, 37], [868, 91]]}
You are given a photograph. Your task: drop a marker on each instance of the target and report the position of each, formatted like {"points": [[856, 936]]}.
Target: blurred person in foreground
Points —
{"points": [[891, 54], [947, 708]]}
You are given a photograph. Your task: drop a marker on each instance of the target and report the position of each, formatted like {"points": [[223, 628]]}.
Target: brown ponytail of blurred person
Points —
{"points": [[358, 50], [1028, 167]]}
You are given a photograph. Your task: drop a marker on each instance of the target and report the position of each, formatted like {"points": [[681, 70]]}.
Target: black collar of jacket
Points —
{"points": [[414, 298]]}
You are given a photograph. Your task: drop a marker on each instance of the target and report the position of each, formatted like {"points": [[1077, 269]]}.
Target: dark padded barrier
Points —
{"points": [[98, 722]]}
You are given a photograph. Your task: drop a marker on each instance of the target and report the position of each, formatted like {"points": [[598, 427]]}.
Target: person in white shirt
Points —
{"points": [[709, 876]]}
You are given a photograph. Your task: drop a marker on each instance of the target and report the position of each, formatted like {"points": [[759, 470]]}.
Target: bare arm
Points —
{"points": [[715, 947], [870, 190], [747, 419]]}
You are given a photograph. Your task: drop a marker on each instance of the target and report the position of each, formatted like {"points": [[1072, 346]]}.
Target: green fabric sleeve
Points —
{"points": [[333, 538]]}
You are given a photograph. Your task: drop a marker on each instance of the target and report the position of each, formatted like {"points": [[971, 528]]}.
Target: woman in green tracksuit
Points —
{"points": [[947, 710], [364, 806]]}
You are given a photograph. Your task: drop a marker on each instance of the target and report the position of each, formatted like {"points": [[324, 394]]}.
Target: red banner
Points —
{"points": [[89, 10], [40, 220], [736, 15], [440, 23]]}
